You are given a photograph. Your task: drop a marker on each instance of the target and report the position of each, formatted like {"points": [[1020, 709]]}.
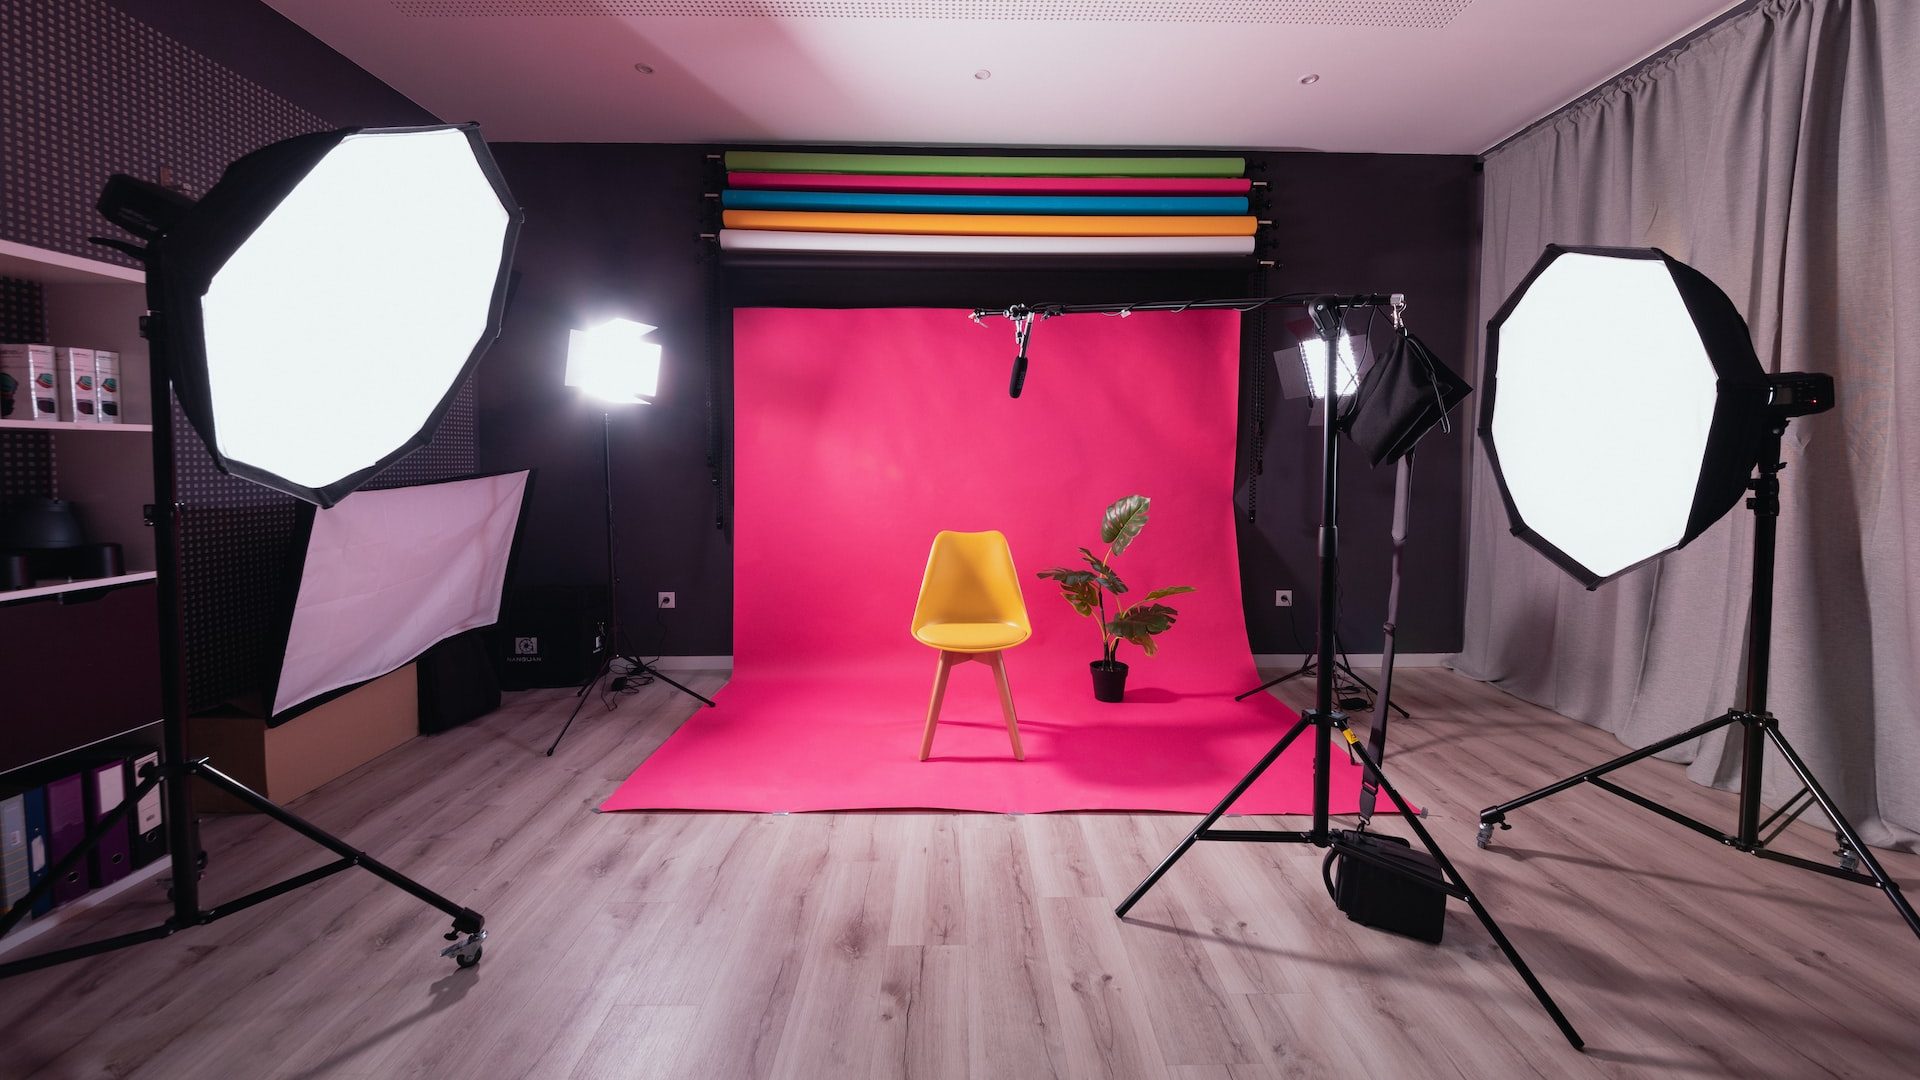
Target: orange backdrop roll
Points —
{"points": [[991, 224]]}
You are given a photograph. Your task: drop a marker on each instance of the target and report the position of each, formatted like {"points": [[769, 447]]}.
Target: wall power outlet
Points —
{"points": [[1283, 598], [666, 599]]}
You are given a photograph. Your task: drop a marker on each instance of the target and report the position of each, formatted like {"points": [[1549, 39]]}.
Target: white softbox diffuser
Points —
{"points": [[390, 573], [325, 301], [1621, 406]]}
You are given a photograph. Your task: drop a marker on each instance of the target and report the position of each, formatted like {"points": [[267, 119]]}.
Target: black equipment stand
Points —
{"points": [[1325, 720], [1402, 481], [1389, 630], [616, 637], [1758, 727], [175, 769], [1310, 666]]}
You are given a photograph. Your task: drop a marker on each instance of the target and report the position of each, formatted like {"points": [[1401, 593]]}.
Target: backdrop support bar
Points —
{"points": [[1244, 303]]}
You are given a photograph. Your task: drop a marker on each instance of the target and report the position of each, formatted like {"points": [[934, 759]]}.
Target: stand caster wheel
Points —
{"points": [[1484, 838], [466, 953]]}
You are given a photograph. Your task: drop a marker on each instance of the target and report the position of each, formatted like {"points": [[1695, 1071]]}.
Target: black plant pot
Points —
{"points": [[1109, 680]]}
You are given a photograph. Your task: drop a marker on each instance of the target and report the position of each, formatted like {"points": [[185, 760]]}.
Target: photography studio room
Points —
{"points": [[501, 501]]}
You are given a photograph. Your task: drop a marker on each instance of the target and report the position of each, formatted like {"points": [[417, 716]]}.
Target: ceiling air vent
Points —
{"points": [[1376, 14]]}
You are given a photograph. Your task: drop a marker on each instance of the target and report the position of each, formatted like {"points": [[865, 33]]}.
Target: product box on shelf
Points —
{"points": [[74, 368], [27, 383], [106, 386]]}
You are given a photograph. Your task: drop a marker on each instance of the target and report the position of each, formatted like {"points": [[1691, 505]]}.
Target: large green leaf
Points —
{"points": [[1139, 631], [1080, 588], [1139, 623], [1171, 590], [1104, 574], [1123, 521], [1142, 618], [1084, 596]]}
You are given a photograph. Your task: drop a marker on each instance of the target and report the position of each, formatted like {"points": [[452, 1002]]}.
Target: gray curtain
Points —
{"points": [[1778, 153]]}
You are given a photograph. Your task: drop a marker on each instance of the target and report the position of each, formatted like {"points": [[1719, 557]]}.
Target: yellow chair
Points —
{"points": [[970, 609]]}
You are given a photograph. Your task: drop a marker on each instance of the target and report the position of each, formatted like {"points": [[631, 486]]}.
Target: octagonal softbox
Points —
{"points": [[321, 306], [1622, 407]]}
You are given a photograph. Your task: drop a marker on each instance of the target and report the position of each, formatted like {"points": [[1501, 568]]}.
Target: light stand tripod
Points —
{"points": [[615, 638], [1325, 720], [1310, 666], [175, 770], [1758, 727]]}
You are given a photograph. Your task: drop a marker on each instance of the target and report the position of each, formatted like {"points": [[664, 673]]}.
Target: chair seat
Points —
{"points": [[972, 636]]}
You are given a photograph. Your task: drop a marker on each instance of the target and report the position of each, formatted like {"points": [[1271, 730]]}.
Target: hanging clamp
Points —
{"points": [[1396, 306]]}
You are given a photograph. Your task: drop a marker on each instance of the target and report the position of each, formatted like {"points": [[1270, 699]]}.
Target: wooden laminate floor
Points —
{"points": [[865, 945]]}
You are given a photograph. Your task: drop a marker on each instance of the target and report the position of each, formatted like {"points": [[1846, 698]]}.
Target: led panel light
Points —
{"points": [[1313, 356], [615, 362]]}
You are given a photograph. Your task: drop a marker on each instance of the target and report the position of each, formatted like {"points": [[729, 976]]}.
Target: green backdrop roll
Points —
{"points": [[924, 164]]}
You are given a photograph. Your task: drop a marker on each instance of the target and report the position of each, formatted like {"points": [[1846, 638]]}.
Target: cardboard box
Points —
{"points": [[27, 383], [106, 386], [285, 762], [74, 368]]}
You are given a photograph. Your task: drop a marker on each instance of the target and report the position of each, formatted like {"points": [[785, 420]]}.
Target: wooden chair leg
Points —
{"points": [[999, 665], [945, 665]]}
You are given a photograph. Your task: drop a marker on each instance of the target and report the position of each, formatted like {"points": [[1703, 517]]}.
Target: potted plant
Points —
{"points": [[1087, 590]]}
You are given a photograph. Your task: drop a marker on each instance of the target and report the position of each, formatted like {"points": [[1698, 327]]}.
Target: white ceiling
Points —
{"points": [[1396, 76]]}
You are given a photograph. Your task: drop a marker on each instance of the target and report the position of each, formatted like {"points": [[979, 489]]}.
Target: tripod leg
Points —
{"points": [[1480, 912], [1206, 823], [1342, 665], [598, 674], [648, 669], [1303, 669], [1494, 815], [1845, 829], [465, 920]]}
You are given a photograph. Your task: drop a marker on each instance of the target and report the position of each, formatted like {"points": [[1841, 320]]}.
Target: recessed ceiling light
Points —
{"points": [[983, 74], [1309, 80], [647, 69]]}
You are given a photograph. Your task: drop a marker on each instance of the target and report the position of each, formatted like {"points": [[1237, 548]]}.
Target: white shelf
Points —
{"points": [[33, 928], [75, 586], [59, 268], [69, 425]]}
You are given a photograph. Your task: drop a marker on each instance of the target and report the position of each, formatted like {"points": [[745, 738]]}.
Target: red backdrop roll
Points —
{"points": [[861, 433]]}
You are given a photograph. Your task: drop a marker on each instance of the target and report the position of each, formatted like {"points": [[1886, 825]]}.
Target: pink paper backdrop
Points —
{"points": [[860, 434]]}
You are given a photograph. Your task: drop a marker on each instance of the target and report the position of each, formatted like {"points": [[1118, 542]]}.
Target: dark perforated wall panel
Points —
{"points": [[26, 457]]}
